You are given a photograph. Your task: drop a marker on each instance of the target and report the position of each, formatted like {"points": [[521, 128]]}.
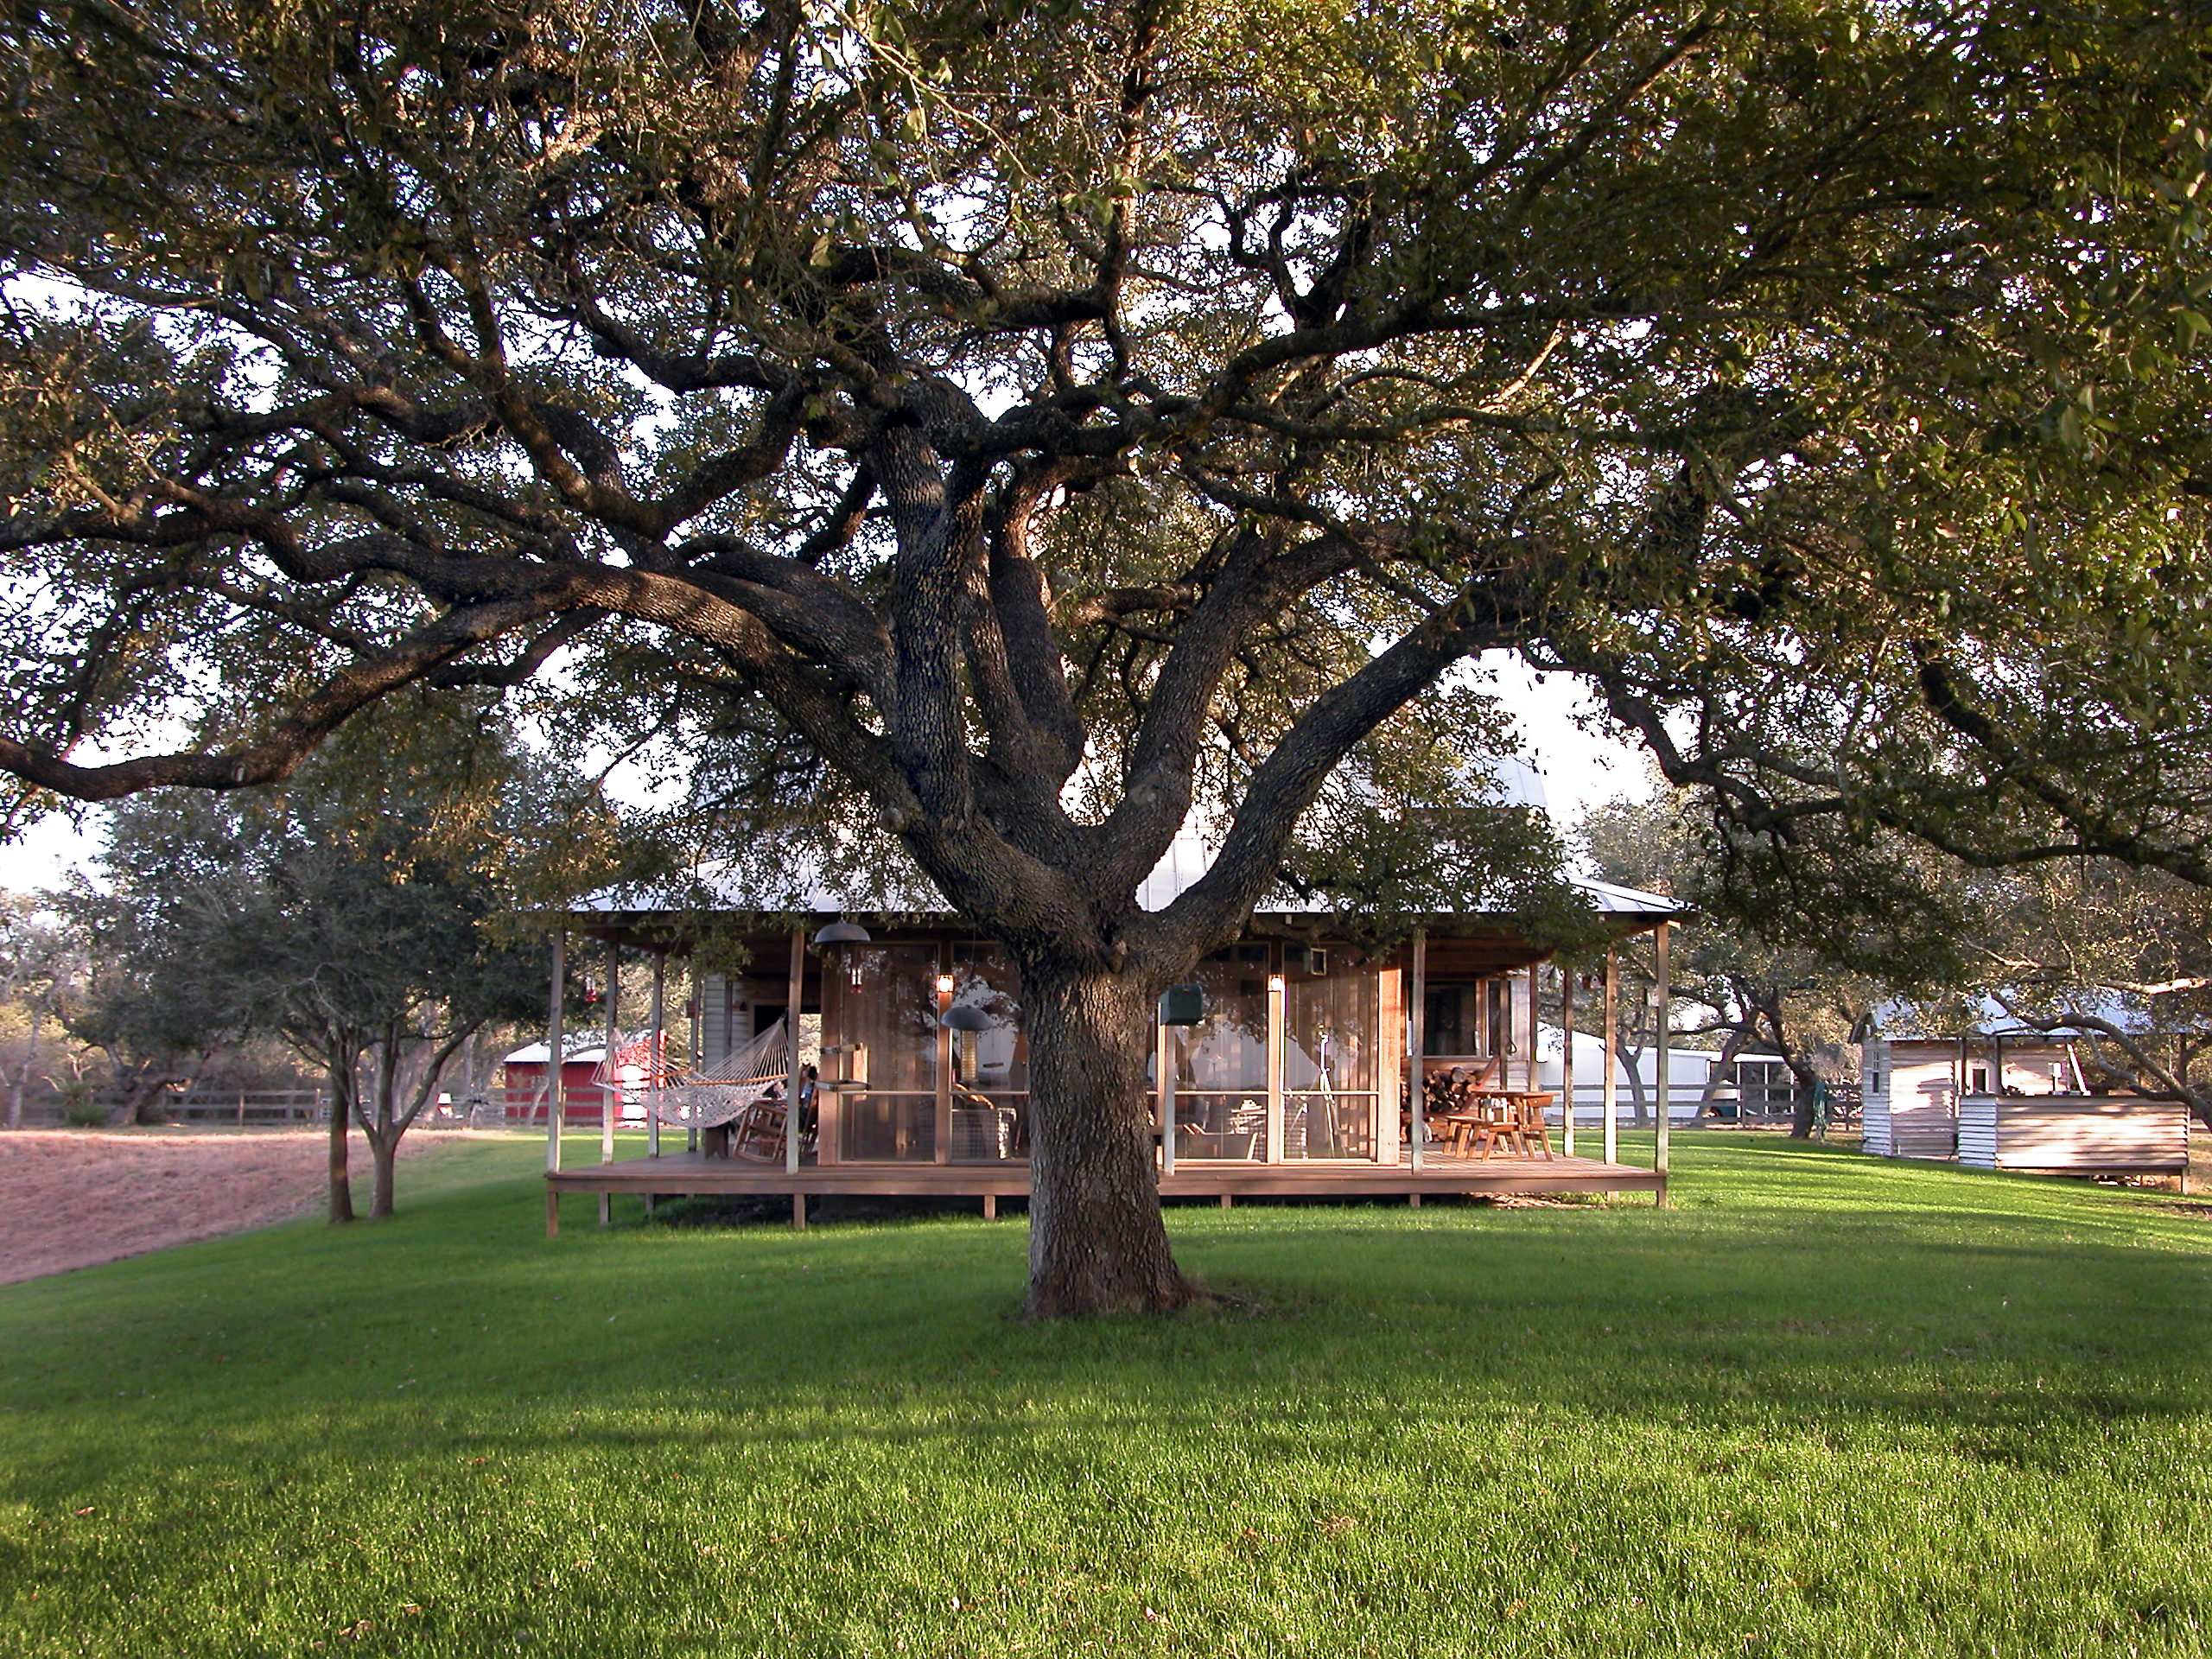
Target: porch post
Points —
{"points": [[1530, 1069], [696, 1055], [792, 1079], [1389, 1080], [553, 1052], [1164, 1065], [610, 1091], [657, 1060], [1566, 1062], [1612, 1066], [1417, 1085], [1272, 1149], [1666, 1034], [942, 1136]]}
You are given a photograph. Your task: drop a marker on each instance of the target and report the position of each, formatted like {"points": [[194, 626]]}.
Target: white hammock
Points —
{"points": [[710, 1097]]}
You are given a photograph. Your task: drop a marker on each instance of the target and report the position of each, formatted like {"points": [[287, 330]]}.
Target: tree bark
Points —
{"points": [[341, 1109], [1096, 1241]]}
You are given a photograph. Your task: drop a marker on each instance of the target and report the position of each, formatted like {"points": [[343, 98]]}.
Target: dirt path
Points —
{"points": [[71, 1197]]}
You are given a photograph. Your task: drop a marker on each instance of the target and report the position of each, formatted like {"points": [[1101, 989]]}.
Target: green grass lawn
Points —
{"points": [[1822, 1405]]}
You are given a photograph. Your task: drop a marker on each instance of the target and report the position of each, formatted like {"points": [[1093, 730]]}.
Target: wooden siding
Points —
{"points": [[2084, 1135], [1908, 1102]]}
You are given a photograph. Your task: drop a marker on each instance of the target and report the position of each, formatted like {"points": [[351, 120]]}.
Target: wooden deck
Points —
{"points": [[688, 1174]]}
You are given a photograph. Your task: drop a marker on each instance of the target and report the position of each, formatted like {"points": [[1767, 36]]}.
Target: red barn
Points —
{"points": [[583, 1088]]}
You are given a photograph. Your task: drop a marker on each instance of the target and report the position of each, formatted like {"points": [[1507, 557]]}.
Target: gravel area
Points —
{"points": [[71, 1197]]}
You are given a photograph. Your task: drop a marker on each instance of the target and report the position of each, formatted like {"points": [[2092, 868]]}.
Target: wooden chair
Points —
{"points": [[760, 1132]]}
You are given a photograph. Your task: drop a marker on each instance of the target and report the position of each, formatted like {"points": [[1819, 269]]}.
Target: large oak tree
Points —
{"points": [[1030, 423]]}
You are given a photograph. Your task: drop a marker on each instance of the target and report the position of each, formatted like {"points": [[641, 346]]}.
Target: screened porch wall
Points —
{"points": [[880, 1039], [1287, 1064]]}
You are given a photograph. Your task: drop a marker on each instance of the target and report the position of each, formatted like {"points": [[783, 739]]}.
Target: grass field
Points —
{"points": [[1821, 1406]]}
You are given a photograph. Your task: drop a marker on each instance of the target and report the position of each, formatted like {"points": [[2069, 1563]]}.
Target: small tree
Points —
{"points": [[151, 1001], [366, 912], [38, 969]]}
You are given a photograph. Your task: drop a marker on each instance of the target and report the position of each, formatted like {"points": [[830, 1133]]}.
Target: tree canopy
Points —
{"points": [[1016, 426]]}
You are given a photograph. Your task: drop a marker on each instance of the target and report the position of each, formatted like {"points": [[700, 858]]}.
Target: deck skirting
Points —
{"points": [[689, 1175]]}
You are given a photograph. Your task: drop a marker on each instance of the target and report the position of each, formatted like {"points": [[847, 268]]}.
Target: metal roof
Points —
{"points": [[1899, 1019], [796, 884]]}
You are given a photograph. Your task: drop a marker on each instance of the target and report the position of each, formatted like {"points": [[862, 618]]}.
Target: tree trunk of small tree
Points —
{"points": [[1716, 1079], [379, 1124], [341, 1110], [1639, 1113], [1096, 1241], [384, 1155]]}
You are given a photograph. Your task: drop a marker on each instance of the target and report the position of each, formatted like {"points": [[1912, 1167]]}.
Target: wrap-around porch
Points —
{"points": [[888, 1057]]}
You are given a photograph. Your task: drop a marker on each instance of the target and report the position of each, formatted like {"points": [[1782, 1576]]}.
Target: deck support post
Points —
{"points": [[1567, 1061], [791, 1080], [552, 1212], [1613, 1049], [1413, 1200], [656, 1061], [1417, 1085], [798, 1211], [990, 1206], [1228, 1202], [1666, 1043], [553, 1101]]}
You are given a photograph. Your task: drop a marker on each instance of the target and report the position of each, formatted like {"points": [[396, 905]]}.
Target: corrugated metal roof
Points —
{"points": [[797, 885], [1987, 1016]]}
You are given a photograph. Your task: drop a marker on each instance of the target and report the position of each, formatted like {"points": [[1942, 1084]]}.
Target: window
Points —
{"points": [[1331, 1053], [990, 1068], [1221, 1064]]}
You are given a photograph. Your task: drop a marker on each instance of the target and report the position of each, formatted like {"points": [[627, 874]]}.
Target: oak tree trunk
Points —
{"points": [[1096, 1242], [1800, 1097]]}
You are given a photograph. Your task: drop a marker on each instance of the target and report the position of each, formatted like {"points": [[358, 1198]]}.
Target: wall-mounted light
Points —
{"points": [[945, 984]]}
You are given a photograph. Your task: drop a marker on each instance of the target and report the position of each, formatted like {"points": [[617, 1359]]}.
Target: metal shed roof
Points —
{"points": [[797, 885]]}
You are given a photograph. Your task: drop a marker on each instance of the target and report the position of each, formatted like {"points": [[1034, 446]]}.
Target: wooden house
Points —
{"points": [[1296, 1063]]}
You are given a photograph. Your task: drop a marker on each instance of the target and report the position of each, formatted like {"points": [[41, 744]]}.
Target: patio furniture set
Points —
{"points": [[1470, 1114]]}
